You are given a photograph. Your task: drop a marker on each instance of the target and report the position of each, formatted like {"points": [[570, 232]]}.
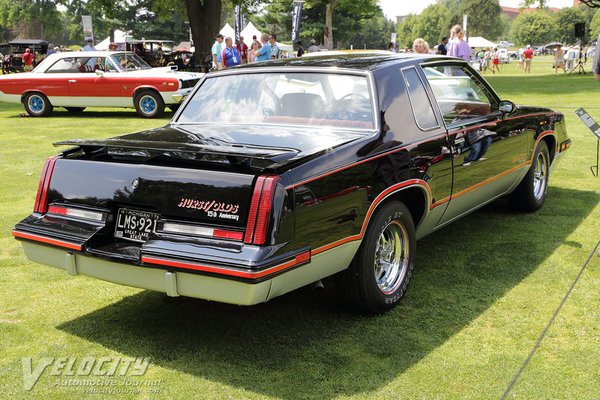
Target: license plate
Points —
{"points": [[135, 225]]}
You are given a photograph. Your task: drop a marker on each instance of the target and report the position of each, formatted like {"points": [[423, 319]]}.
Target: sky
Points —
{"points": [[393, 8]]}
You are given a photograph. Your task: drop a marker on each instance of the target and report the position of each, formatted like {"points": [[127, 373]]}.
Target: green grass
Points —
{"points": [[483, 291]]}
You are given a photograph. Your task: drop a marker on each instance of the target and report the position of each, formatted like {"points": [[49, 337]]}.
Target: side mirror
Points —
{"points": [[99, 72], [506, 106]]}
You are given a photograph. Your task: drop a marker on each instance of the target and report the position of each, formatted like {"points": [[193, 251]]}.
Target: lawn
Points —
{"points": [[483, 291]]}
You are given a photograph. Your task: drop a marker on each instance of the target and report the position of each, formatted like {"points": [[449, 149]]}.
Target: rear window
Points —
{"points": [[323, 99]]}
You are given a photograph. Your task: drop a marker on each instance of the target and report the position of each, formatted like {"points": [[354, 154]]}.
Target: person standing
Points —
{"points": [[27, 58], [300, 48], [313, 48], [420, 46], [495, 61], [242, 48], [89, 46], [230, 55], [264, 53], [527, 57], [559, 60], [274, 47], [252, 52], [442, 49], [216, 50], [596, 62], [458, 47]]}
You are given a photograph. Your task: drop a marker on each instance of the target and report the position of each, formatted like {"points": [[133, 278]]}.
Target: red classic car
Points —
{"points": [[78, 80]]}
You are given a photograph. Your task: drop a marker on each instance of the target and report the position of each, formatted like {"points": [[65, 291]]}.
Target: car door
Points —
{"points": [[96, 84], [488, 150]]}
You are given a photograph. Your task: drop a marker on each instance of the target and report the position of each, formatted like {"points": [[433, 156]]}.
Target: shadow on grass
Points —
{"points": [[305, 344], [60, 113]]}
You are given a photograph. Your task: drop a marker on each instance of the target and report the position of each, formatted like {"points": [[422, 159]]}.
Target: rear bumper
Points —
{"points": [[173, 283]]}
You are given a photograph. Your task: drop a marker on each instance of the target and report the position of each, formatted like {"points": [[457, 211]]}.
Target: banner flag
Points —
{"points": [[296, 14], [88, 32], [238, 20]]}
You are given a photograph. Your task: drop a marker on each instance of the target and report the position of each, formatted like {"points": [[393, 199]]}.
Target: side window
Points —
{"points": [[459, 95], [65, 65], [421, 105]]}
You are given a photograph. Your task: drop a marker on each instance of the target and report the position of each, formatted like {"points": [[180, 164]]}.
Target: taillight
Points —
{"points": [[260, 210], [76, 213], [41, 199], [197, 230]]}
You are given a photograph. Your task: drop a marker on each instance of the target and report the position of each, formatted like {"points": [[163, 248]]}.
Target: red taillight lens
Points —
{"points": [[260, 210], [41, 199]]}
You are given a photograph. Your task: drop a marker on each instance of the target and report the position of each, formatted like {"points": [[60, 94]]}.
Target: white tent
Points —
{"points": [[480, 42], [227, 31], [249, 31], [120, 39]]}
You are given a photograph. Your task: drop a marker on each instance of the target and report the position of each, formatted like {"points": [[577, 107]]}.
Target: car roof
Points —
{"points": [[97, 53], [357, 59]]}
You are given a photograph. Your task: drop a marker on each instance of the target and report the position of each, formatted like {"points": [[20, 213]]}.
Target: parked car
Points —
{"points": [[275, 175], [503, 56], [13, 52], [77, 80]]}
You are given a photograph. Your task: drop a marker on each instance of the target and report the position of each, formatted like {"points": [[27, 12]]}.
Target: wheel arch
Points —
{"points": [[140, 89], [415, 196], [30, 91], [549, 137]]}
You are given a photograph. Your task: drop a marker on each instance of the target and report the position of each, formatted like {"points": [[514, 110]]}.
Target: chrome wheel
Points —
{"points": [[540, 176], [391, 257]]}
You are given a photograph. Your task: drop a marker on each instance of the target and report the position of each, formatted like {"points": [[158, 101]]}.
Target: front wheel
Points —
{"points": [[37, 105], [149, 104], [531, 192], [380, 272]]}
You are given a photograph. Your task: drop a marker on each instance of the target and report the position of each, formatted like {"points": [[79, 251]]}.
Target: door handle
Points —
{"points": [[72, 80]]}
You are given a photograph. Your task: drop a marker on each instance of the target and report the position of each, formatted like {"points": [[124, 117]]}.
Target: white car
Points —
{"points": [[77, 80]]}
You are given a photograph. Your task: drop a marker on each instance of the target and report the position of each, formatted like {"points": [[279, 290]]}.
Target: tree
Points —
{"points": [[595, 26], [30, 19], [484, 16], [432, 24], [406, 31], [533, 28], [566, 19]]}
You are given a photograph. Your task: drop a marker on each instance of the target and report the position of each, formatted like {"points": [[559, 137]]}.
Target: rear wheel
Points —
{"points": [[380, 272], [149, 104], [531, 192], [37, 105], [75, 109]]}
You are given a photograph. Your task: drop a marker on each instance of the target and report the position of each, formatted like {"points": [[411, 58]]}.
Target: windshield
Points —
{"points": [[129, 62], [300, 98]]}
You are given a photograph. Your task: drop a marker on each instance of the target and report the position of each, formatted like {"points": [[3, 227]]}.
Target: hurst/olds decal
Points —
{"points": [[213, 209]]}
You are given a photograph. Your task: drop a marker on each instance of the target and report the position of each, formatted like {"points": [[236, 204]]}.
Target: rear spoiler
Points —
{"points": [[273, 154]]}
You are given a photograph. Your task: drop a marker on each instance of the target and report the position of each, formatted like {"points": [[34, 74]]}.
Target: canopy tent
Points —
{"points": [[480, 42], [249, 31], [184, 46], [227, 31], [120, 39]]}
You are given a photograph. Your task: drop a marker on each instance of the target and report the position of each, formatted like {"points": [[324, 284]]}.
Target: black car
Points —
{"points": [[275, 175], [13, 52]]}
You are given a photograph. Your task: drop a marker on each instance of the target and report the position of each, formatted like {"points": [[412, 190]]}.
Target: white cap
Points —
{"points": [[528, 46]]}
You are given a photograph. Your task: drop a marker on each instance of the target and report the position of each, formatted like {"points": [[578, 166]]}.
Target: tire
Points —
{"points": [[149, 104], [371, 283], [74, 109], [529, 196], [37, 105]]}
